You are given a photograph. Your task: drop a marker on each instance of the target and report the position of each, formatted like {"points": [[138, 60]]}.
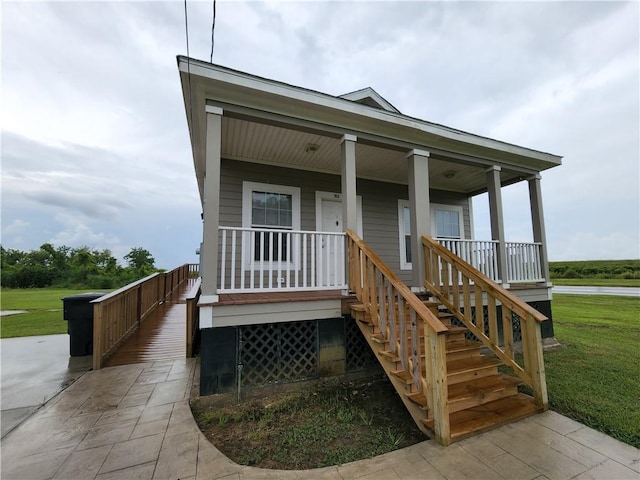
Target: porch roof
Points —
{"points": [[271, 122]]}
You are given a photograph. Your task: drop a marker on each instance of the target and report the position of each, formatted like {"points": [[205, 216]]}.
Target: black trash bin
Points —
{"points": [[78, 311]]}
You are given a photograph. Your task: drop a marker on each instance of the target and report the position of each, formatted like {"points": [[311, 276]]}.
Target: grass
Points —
{"points": [[313, 428], [597, 282], [594, 378], [44, 311]]}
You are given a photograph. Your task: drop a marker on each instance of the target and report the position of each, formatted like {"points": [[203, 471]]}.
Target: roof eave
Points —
{"points": [[272, 92]]}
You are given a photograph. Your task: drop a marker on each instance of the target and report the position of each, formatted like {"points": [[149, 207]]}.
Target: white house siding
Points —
{"points": [[379, 202]]}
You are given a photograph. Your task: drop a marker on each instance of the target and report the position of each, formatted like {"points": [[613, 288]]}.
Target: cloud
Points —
{"points": [[95, 146]]}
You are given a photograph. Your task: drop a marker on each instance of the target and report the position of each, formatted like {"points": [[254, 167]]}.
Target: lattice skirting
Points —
{"points": [[278, 352], [359, 354], [290, 351]]}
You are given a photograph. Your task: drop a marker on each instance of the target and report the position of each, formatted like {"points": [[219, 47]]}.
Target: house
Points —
{"points": [[320, 209]]}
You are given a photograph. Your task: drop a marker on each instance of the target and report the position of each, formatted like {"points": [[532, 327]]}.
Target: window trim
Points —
{"points": [[248, 188], [404, 265]]}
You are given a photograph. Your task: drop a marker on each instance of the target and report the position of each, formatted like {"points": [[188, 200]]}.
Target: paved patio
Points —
{"points": [[134, 422]]}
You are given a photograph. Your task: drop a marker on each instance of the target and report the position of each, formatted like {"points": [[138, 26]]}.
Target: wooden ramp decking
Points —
{"points": [[161, 336]]}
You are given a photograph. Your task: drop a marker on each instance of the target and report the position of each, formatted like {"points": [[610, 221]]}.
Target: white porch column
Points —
{"points": [[349, 209], [497, 220], [420, 212], [211, 208], [537, 222]]}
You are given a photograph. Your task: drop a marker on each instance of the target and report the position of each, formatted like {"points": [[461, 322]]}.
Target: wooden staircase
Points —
{"points": [[479, 396], [450, 384]]}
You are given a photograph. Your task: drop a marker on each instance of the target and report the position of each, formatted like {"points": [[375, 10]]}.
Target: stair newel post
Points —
{"points": [[435, 343], [533, 356], [353, 281], [97, 335], [427, 261]]}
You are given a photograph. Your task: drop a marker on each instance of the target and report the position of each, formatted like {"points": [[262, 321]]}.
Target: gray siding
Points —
{"points": [[379, 202]]}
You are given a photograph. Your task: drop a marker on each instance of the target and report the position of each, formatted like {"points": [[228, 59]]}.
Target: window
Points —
{"points": [[271, 211], [269, 207], [446, 222]]}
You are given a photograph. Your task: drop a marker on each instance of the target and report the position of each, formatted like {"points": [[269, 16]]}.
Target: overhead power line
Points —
{"points": [[213, 28]]}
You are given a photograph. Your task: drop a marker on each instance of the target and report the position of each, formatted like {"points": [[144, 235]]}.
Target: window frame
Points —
{"points": [[402, 204], [248, 263]]}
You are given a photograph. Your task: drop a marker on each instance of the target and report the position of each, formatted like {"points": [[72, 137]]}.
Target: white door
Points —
{"points": [[331, 258], [330, 261]]}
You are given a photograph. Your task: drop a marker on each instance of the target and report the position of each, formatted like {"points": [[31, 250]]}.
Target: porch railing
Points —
{"points": [[523, 262], [465, 298], [118, 314], [396, 310], [260, 259], [523, 259]]}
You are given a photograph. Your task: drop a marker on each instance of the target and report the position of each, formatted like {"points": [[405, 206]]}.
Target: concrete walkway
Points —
{"points": [[134, 422], [34, 370]]}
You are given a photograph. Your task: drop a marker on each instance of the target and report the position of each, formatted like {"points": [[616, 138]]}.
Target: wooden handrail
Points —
{"points": [[395, 310], [505, 296], [434, 323], [447, 274], [118, 314]]}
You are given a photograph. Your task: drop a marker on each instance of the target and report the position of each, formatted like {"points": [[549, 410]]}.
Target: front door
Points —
{"points": [[329, 220]]}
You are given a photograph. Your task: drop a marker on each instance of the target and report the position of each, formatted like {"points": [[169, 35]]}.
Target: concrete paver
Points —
{"points": [[134, 422], [34, 370]]}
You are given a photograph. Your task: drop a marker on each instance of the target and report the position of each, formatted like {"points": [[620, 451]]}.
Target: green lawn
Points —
{"points": [[597, 282], [44, 311], [595, 377]]}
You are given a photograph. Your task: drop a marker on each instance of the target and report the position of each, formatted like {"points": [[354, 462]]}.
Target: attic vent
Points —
{"points": [[368, 96]]}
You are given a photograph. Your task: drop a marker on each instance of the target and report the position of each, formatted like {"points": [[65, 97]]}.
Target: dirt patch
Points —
{"points": [[320, 426]]}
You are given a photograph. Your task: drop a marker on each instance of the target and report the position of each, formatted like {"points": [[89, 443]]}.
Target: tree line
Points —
{"points": [[67, 267], [624, 269]]}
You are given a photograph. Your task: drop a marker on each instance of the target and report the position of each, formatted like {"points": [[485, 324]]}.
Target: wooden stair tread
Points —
{"points": [[482, 386], [467, 346], [471, 363], [473, 388], [431, 303], [453, 329], [358, 307], [403, 375], [388, 355], [485, 417], [418, 398]]}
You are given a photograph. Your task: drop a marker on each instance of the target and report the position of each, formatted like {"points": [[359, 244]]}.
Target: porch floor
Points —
{"points": [[275, 297]]}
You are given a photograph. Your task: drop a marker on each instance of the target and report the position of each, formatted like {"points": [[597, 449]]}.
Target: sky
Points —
{"points": [[95, 146]]}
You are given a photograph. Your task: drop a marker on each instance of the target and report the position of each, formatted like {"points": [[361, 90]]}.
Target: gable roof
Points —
{"points": [[368, 96]]}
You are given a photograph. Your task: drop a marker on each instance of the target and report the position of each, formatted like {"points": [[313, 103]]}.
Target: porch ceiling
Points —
{"points": [[274, 145]]}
